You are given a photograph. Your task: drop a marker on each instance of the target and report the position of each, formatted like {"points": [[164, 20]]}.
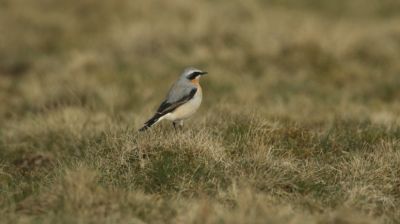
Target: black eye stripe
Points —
{"points": [[193, 75]]}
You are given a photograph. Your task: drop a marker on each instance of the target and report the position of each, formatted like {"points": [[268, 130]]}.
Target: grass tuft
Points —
{"points": [[299, 122]]}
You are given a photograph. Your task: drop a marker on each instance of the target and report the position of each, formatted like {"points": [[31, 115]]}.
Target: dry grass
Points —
{"points": [[300, 121]]}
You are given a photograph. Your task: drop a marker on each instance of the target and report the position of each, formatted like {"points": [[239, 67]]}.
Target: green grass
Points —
{"points": [[299, 123]]}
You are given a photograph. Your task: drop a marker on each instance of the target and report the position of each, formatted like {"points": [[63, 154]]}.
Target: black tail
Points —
{"points": [[150, 122]]}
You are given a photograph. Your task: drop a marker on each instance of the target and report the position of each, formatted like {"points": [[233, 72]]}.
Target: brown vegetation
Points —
{"points": [[299, 124]]}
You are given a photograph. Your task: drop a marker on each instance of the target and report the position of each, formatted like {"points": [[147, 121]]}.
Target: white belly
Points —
{"points": [[186, 110]]}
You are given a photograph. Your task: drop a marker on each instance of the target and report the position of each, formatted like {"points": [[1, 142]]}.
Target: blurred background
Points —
{"points": [[319, 58], [300, 119]]}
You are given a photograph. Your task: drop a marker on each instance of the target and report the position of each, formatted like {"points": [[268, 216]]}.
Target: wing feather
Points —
{"points": [[167, 107]]}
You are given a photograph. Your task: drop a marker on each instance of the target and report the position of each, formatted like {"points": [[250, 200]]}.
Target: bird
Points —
{"points": [[182, 101]]}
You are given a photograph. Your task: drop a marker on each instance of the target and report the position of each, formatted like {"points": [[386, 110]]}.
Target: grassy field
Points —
{"points": [[300, 121]]}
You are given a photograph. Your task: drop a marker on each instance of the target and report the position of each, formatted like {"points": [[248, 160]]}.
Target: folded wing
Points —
{"points": [[173, 101], [167, 106]]}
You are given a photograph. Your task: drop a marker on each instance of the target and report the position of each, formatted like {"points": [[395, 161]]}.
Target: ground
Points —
{"points": [[300, 121]]}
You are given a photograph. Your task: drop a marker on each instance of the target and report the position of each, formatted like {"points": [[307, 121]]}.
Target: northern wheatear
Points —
{"points": [[182, 101]]}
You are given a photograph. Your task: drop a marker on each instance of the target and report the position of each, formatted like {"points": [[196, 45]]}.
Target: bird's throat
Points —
{"points": [[195, 81]]}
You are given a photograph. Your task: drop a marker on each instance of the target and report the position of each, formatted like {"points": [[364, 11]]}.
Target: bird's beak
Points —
{"points": [[203, 73]]}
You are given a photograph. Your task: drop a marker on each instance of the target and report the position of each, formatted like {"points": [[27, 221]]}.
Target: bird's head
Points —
{"points": [[193, 74]]}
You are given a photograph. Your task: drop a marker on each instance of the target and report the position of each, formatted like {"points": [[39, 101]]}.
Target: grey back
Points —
{"points": [[179, 90]]}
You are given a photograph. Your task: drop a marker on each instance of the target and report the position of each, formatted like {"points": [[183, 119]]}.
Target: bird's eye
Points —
{"points": [[193, 75]]}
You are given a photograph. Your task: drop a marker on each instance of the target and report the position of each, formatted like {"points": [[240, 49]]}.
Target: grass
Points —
{"points": [[299, 123]]}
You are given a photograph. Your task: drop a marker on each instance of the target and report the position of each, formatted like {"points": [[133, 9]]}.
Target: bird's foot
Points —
{"points": [[178, 125]]}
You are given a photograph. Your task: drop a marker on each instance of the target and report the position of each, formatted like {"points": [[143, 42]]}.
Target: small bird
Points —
{"points": [[182, 100]]}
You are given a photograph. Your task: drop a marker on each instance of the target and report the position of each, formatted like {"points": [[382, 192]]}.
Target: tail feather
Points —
{"points": [[151, 122]]}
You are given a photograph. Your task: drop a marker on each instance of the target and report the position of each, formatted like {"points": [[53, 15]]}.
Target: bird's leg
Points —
{"points": [[181, 125], [174, 124]]}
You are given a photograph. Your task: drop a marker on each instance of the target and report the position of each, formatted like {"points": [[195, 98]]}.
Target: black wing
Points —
{"points": [[167, 107]]}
